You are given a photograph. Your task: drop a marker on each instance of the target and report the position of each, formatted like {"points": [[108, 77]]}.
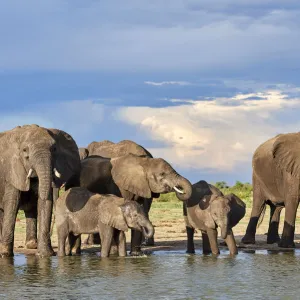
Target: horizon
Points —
{"points": [[201, 86]]}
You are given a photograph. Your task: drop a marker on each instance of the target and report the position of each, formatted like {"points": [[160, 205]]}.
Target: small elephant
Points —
{"points": [[207, 209], [81, 211]]}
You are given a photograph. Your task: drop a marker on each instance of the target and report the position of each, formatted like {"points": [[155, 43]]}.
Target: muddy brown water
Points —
{"points": [[252, 274]]}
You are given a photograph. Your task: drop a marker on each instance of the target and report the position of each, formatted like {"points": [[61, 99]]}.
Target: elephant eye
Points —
{"points": [[162, 174]]}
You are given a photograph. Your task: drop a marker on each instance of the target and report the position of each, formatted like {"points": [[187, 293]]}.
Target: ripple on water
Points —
{"points": [[162, 275]]}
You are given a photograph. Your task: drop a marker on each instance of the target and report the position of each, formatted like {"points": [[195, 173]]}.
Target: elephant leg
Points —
{"points": [[106, 235], [136, 241], [257, 208], [287, 237], [190, 240], [205, 243], [93, 238], [122, 244], [231, 244], [213, 241], [11, 201], [1, 222], [147, 205], [273, 236], [74, 243], [114, 248], [31, 227], [62, 234], [55, 195], [44, 224]]}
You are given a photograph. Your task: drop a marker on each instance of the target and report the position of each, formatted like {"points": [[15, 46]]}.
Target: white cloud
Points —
{"points": [[181, 83], [142, 35], [219, 134]]}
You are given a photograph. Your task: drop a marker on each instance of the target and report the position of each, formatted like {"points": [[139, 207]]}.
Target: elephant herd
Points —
{"points": [[109, 189]]}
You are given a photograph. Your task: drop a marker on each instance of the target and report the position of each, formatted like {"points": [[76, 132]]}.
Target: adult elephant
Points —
{"points": [[133, 178], [33, 161], [110, 149], [276, 180]]}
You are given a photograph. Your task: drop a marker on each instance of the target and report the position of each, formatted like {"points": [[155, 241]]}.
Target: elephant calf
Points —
{"points": [[81, 211], [207, 209]]}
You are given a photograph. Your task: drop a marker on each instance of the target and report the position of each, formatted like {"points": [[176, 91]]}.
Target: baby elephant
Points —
{"points": [[207, 209], [81, 211]]}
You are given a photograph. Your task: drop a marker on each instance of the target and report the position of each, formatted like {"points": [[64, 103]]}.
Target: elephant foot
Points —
{"points": [[273, 240], [188, 251], [6, 251], [113, 250], [137, 253], [248, 239], [148, 242], [284, 243], [46, 252], [31, 244]]}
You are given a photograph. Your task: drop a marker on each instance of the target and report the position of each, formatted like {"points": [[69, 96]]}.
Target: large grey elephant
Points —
{"points": [[133, 178], [110, 149], [207, 209], [33, 161], [81, 211], [276, 180]]}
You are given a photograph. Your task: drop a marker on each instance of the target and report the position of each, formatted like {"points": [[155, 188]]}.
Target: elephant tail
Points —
{"points": [[261, 217]]}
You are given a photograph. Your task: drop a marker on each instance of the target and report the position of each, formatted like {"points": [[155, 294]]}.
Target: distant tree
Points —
{"points": [[221, 185]]}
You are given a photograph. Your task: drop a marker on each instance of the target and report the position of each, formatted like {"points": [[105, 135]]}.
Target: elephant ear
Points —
{"points": [[67, 159], [15, 172], [234, 199], [286, 153], [110, 212], [129, 174]]}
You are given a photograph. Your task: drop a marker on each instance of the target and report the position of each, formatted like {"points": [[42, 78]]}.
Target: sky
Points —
{"points": [[198, 83]]}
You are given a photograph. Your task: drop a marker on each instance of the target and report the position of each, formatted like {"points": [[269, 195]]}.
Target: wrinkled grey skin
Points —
{"points": [[83, 153], [276, 181], [208, 209], [29, 156], [81, 211], [110, 150], [133, 178]]}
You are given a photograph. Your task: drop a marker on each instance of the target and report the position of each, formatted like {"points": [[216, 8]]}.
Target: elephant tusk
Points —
{"points": [[178, 190], [29, 173], [63, 185], [57, 174]]}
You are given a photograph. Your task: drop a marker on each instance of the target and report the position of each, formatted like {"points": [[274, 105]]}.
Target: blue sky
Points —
{"points": [[200, 84]]}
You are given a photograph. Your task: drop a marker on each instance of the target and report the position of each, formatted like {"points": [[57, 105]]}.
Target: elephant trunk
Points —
{"points": [[182, 188], [42, 164], [148, 229], [224, 229]]}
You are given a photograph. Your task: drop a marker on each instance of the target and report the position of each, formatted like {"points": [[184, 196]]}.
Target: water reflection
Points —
{"points": [[163, 275]]}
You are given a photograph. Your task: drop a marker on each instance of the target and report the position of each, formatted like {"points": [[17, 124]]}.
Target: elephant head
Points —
{"points": [[66, 159], [26, 152], [136, 219], [145, 176], [120, 214], [219, 210]]}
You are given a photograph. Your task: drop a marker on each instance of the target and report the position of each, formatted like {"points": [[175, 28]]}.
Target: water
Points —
{"points": [[161, 275]]}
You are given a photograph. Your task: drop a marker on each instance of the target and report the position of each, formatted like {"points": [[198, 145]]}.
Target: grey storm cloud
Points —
{"points": [[156, 35]]}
